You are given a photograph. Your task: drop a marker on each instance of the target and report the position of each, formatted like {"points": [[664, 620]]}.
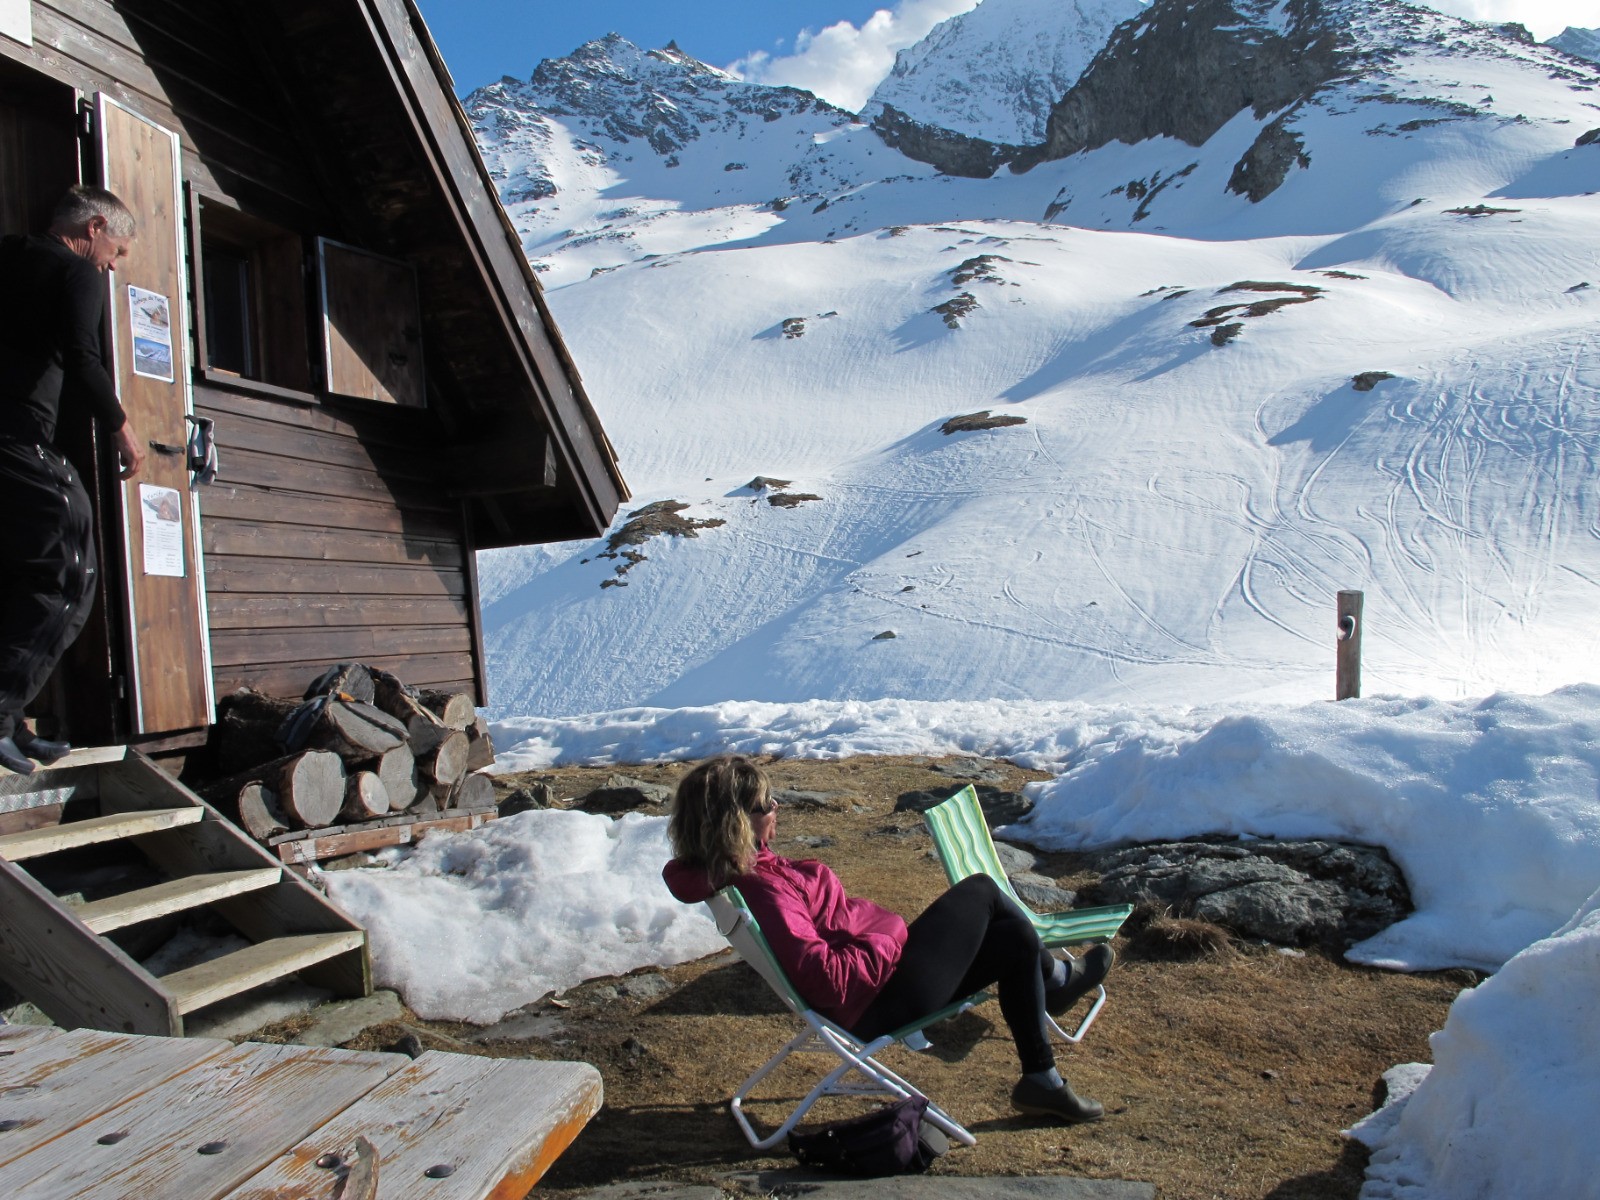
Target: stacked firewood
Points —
{"points": [[361, 746]]}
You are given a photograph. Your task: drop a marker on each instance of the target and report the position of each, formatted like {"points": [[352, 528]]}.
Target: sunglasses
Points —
{"points": [[761, 810]]}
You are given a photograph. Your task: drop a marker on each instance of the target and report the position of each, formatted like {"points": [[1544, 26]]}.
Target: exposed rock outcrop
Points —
{"points": [[1266, 164], [953, 153]]}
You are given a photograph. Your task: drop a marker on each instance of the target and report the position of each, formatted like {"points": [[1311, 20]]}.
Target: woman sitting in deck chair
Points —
{"points": [[859, 964]]}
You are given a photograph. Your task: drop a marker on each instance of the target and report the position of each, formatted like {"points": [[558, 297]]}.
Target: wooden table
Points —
{"points": [[105, 1116]]}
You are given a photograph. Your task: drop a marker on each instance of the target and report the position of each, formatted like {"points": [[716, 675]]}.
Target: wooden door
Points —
{"points": [[169, 667]]}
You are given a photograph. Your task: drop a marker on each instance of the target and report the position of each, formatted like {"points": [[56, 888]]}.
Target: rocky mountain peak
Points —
{"points": [[1585, 43]]}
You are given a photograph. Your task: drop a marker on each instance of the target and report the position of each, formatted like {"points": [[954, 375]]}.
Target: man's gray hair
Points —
{"points": [[83, 201]]}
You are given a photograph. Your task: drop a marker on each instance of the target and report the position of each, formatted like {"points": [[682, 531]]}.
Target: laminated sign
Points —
{"points": [[151, 321], [162, 510]]}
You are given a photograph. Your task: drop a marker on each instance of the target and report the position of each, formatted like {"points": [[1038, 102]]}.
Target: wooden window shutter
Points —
{"points": [[371, 326]]}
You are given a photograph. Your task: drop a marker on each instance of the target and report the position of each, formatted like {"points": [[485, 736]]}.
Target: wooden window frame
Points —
{"points": [[202, 369]]}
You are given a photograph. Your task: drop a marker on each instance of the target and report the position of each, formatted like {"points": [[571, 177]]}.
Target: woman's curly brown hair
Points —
{"points": [[710, 824]]}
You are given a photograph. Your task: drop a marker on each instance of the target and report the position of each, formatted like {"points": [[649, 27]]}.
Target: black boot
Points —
{"points": [[39, 748], [1039, 1100], [13, 759], [1083, 976]]}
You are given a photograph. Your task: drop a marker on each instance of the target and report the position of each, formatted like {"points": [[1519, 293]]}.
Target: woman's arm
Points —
{"points": [[833, 969]]}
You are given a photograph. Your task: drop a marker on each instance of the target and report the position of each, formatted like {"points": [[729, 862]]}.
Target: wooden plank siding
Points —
{"points": [[326, 540]]}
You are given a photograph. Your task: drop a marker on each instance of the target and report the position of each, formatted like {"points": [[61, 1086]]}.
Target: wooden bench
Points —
{"points": [[86, 1115]]}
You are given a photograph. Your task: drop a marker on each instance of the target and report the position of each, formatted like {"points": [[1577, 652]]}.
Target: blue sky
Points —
{"points": [[839, 49]]}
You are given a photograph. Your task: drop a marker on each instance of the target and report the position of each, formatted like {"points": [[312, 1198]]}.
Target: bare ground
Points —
{"points": [[1227, 1075]]}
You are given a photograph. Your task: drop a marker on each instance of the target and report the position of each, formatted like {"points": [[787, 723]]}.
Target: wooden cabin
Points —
{"points": [[323, 273]]}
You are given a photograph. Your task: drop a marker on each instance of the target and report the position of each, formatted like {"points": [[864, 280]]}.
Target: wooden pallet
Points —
{"points": [[55, 952], [313, 845], [101, 1116]]}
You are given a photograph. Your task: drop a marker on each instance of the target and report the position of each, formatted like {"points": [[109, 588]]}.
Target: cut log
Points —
{"points": [[355, 731], [259, 813], [446, 764], [455, 709], [480, 748], [474, 791], [398, 770], [423, 730], [310, 787], [365, 797], [351, 679], [247, 730]]}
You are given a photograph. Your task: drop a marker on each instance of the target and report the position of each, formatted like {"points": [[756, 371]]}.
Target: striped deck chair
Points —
{"points": [[961, 836], [857, 1071]]}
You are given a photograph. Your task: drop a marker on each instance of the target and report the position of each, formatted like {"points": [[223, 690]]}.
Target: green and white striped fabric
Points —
{"points": [[965, 848]]}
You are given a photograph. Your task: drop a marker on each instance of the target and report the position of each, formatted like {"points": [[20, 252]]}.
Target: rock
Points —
{"points": [[353, 862], [409, 1044], [799, 799], [944, 149], [521, 1026], [1041, 894], [526, 799], [812, 841], [980, 770], [1015, 859], [649, 986], [1266, 164], [999, 807], [620, 793], [345, 1020], [1296, 893], [25, 1014], [239, 1015]]}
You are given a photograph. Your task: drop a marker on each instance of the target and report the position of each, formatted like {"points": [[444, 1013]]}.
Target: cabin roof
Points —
{"points": [[527, 455]]}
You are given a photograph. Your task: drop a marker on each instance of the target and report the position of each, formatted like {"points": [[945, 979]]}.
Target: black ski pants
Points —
{"points": [[47, 570], [972, 937]]}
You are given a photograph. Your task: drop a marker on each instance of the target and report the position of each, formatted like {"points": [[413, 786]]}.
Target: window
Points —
{"points": [[252, 298]]}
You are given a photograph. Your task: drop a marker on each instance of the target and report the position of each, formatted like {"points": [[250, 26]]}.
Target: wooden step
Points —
{"points": [[176, 895], [33, 842], [196, 987]]}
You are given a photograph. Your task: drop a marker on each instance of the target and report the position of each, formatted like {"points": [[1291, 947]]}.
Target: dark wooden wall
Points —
{"points": [[327, 535]]}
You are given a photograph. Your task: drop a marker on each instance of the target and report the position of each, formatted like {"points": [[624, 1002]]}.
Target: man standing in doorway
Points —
{"points": [[52, 300]]}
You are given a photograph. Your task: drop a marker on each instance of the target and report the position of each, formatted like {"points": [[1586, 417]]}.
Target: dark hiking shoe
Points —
{"points": [[1063, 1103], [1084, 975], [13, 759], [39, 748]]}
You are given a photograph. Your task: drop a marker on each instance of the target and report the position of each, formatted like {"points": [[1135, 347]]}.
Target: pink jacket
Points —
{"points": [[838, 952]]}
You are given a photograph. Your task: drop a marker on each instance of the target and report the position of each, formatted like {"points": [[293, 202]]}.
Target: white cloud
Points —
{"points": [[1545, 18], [844, 63]]}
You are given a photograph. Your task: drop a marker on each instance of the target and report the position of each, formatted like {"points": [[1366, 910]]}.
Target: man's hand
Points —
{"points": [[129, 453]]}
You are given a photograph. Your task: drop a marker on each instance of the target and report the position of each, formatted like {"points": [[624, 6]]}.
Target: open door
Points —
{"points": [[169, 656]]}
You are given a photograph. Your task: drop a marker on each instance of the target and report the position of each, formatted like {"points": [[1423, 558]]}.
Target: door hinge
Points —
{"points": [[122, 687], [86, 118]]}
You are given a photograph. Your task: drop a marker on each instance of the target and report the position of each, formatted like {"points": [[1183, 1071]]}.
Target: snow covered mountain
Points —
{"points": [[1585, 43], [1291, 298], [995, 72]]}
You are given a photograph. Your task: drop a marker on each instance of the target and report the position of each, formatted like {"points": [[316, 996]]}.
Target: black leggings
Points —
{"points": [[969, 938]]}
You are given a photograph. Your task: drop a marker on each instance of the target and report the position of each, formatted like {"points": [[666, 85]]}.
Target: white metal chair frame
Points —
{"points": [[822, 1036]]}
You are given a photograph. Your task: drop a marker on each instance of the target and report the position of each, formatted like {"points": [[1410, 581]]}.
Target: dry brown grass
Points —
{"points": [[1227, 1074]]}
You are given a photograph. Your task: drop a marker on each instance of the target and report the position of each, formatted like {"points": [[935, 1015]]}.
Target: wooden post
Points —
{"points": [[1347, 685]]}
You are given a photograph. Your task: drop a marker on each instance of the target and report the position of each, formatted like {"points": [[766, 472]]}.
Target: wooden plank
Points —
{"points": [[31, 843], [407, 461], [175, 895], [232, 610], [442, 671], [317, 847], [498, 1123], [55, 1082], [248, 1102], [270, 540], [404, 429], [286, 473], [227, 500], [248, 573], [36, 817], [195, 987], [74, 976], [235, 646]]}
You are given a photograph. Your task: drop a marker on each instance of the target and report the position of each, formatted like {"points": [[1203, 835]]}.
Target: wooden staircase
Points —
{"points": [[54, 950]]}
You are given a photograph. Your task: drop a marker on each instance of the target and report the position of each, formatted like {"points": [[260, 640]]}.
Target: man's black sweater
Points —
{"points": [[51, 302]]}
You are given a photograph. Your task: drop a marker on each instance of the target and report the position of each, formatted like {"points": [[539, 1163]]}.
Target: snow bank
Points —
{"points": [[1508, 1109], [470, 926], [1491, 808]]}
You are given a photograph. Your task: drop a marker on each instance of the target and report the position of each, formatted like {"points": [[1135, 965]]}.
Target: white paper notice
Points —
{"points": [[151, 318], [162, 509]]}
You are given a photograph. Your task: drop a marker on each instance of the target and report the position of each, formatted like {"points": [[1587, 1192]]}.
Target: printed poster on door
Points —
{"points": [[151, 321], [162, 510]]}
